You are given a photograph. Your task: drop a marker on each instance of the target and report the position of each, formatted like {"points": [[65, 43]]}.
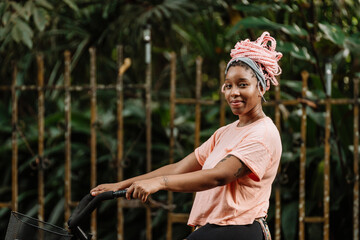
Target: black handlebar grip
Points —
{"points": [[86, 206], [89, 203], [120, 193], [79, 208]]}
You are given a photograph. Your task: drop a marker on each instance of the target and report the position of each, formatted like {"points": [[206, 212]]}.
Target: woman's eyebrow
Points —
{"points": [[238, 79]]}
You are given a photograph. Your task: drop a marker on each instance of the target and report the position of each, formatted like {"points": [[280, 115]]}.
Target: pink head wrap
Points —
{"points": [[264, 55]]}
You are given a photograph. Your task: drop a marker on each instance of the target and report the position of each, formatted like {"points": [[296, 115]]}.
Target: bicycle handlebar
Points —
{"points": [[119, 194], [88, 204]]}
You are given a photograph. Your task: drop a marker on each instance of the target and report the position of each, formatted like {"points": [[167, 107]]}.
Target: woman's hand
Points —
{"points": [[143, 188], [105, 188]]}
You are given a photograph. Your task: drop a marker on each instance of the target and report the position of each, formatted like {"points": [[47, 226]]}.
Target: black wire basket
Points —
{"points": [[22, 227]]}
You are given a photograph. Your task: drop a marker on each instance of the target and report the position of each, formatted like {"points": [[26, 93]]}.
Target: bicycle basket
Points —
{"points": [[22, 227]]}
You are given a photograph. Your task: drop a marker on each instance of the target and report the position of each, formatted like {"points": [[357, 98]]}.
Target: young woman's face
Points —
{"points": [[241, 90]]}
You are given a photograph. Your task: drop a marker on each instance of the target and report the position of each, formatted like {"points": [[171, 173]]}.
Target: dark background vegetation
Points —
{"points": [[308, 33]]}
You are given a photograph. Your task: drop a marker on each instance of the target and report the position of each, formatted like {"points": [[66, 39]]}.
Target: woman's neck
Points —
{"points": [[252, 116]]}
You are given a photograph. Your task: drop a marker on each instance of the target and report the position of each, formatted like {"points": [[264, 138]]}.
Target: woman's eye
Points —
{"points": [[242, 84], [227, 86]]}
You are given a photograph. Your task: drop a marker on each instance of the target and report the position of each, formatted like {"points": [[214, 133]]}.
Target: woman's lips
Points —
{"points": [[237, 103]]}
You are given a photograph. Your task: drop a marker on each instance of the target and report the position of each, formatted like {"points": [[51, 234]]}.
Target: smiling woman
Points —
{"points": [[243, 94], [248, 75], [232, 172]]}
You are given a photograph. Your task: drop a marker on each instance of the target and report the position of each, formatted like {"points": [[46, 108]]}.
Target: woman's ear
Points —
{"points": [[261, 90], [223, 88]]}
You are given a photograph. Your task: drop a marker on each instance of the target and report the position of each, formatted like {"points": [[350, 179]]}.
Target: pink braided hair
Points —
{"points": [[262, 54]]}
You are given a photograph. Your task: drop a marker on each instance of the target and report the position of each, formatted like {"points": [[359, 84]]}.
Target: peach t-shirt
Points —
{"points": [[240, 202]]}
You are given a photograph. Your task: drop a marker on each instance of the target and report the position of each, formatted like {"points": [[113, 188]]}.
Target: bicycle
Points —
{"points": [[22, 227]]}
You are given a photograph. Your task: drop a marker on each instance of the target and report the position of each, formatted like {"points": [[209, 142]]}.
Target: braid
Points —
{"points": [[262, 54]]}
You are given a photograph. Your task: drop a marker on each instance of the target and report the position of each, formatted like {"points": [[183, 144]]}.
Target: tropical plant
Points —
{"points": [[309, 33]]}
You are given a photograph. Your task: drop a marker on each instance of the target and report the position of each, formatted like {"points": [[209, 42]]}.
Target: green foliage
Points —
{"points": [[18, 19], [308, 33]]}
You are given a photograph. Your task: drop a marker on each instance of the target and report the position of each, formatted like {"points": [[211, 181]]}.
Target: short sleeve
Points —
{"points": [[255, 155], [207, 147], [204, 150]]}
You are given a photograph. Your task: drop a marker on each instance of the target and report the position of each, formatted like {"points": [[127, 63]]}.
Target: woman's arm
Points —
{"points": [[227, 170], [188, 164]]}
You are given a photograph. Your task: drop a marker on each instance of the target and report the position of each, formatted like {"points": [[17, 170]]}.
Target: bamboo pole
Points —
{"points": [[194, 101], [199, 61], [172, 105], [305, 76], [327, 171], [120, 139], [74, 88], [14, 144], [148, 140], [41, 110], [93, 123], [356, 162], [67, 110], [172, 137]]}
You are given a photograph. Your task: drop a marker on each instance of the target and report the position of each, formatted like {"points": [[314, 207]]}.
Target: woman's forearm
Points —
{"points": [[192, 182], [227, 170], [188, 164], [128, 182], [187, 182], [168, 169]]}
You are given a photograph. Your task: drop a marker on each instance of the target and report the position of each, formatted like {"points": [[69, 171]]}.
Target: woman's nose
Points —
{"points": [[235, 91]]}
